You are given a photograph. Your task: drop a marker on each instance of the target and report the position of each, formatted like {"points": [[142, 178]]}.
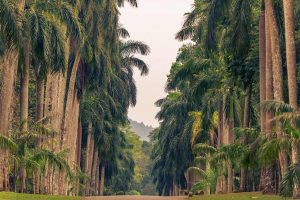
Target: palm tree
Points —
{"points": [[103, 108], [27, 159], [266, 173], [288, 116], [289, 22], [10, 27], [277, 70], [46, 24]]}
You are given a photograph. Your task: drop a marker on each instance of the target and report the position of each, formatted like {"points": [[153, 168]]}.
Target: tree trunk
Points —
{"points": [[24, 90], [230, 139], [246, 123], [277, 73], [79, 141], [24, 104], [269, 78], [266, 178], [208, 171], [289, 22], [102, 179], [56, 103], [230, 169], [97, 180], [34, 183], [78, 153], [225, 130], [230, 178], [295, 161], [71, 106], [23, 179], [88, 159], [262, 69], [39, 99], [94, 171], [8, 73], [219, 187], [8, 70]]}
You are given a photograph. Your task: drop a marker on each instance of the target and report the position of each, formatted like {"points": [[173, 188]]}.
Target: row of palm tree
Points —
{"points": [[233, 97], [70, 63]]}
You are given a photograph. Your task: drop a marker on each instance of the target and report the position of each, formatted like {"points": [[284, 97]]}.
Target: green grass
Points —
{"points": [[15, 196], [238, 196]]}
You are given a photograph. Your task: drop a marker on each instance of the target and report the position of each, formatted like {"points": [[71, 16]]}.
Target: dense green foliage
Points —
{"points": [[72, 63], [210, 137], [137, 173]]}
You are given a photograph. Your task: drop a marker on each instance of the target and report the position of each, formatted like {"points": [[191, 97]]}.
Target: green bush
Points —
{"points": [[133, 192]]}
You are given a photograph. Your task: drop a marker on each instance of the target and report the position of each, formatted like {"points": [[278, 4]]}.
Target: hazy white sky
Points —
{"points": [[155, 22]]}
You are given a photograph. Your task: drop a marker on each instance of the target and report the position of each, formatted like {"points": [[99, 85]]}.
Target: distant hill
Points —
{"points": [[141, 129]]}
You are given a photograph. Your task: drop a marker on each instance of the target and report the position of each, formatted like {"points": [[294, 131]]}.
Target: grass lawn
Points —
{"points": [[14, 196], [238, 196]]}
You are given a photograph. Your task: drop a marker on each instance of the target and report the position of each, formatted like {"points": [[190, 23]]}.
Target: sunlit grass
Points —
{"points": [[238, 196], [16, 196]]}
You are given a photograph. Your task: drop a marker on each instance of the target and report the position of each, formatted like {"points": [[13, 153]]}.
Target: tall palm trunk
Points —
{"points": [[71, 137], [246, 123], [48, 114], [7, 79], [97, 180], [225, 129], [266, 182], [208, 168], [78, 152], [230, 168], [8, 69], [94, 171], [54, 107], [262, 68], [24, 90], [59, 125], [102, 182], [262, 84], [219, 188], [230, 140], [277, 73], [23, 180], [289, 23], [40, 93], [24, 104], [72, 102], [88, 159], [39, 98]]}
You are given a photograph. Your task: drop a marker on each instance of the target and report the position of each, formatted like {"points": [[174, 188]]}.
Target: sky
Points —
{"points": [[154, 22]]}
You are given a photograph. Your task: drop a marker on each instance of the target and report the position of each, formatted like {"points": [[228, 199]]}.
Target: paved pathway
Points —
{"points": [[134, 198]]}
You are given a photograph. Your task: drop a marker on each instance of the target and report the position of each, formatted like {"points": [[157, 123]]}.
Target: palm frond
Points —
{"points": [[7, 144], [197, 170], [277, 107], [131, 2], [132, 47], [9, 22], [123, 33], [291, 177], [136, 62], [204, 148]]}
